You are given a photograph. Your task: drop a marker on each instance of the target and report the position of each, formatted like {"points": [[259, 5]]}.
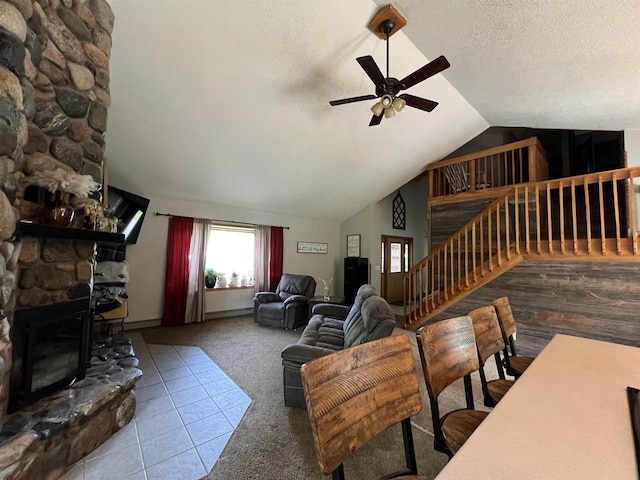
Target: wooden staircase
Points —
{"points": [[588, 218]]}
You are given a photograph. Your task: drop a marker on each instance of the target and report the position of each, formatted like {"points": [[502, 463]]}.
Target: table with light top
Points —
{"points": [[567, 417]]}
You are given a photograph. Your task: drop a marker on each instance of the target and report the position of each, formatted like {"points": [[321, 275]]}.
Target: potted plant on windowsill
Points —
{"points": [[210, 277], [222, 280]]}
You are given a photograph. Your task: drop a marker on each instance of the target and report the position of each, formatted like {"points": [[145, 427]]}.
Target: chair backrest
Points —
{"points": [[374, 321], [448, 352], [487, 331], [505, 317], [292, 284], [355, 394]]}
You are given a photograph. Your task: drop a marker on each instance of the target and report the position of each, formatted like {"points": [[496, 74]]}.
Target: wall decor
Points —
{"points": [[313, 247], [353, 245], [399, 212]]}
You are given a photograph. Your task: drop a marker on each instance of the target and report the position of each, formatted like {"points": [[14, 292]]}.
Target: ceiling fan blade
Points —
{"points": [[429, 70], [351, 100], [376, 119], [370, 67], [417, 102]]}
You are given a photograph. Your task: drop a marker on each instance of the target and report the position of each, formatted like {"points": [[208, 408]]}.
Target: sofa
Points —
{"points": [[288, 306], [333, 328]]}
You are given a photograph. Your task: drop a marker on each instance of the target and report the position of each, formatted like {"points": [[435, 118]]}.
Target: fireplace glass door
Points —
{"points": [[50, 349]]}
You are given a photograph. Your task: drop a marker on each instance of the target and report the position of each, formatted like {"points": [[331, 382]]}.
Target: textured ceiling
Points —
{"points": [[227, 102], [569, 64]]}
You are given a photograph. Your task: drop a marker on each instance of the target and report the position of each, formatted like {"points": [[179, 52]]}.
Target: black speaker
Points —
{"points": [[356, 274]]}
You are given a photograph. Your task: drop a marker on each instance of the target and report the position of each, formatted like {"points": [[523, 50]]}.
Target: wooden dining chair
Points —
{"points": [[490, 343], [448, 353], [514, 363], [355, 394]]}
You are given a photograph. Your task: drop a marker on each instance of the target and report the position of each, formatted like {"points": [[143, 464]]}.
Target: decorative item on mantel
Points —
{"points": [[61, 184], [327, 286]]}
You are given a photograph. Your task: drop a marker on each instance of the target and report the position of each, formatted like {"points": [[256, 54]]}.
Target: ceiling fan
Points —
{"points": [[388, 88]]}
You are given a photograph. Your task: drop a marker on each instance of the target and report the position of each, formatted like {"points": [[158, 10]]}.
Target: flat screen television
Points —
{"points": [[130, 209]]}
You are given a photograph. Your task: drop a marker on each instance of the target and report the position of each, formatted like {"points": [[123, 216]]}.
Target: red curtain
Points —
{"points": [[275, 257], [177, 275]]}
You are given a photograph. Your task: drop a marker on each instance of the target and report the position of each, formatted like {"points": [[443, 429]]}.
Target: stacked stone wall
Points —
{"points": [[54, 96]]}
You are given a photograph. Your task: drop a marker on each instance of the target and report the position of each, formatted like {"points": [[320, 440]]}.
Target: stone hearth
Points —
{"points": [[43, 440]]}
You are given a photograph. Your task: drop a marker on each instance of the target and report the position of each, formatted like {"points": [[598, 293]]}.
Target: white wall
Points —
{"points": [[375, 220], [147, 257]]}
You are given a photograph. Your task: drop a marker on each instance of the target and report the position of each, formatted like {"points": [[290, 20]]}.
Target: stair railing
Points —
{"points": [[587, 217], [519, 162]]}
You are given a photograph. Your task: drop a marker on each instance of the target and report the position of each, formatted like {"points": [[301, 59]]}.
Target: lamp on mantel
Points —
{"points": [[390, 106]]}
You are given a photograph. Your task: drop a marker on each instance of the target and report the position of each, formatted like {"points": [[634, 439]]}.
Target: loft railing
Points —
{"points": [[515, 163], [589, 217]]}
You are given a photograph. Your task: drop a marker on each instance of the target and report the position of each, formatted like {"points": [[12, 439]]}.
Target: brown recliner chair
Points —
{"points": [[288, 307]]}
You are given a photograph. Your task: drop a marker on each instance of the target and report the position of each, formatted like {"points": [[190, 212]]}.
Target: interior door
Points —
{"points": [[397, 258]]}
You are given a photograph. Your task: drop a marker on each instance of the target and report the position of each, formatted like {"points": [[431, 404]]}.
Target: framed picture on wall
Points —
{"points": [[353, 245]]}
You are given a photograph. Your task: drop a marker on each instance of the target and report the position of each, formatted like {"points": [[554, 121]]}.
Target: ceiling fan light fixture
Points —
{"points": [[398, 104], [386, 101], [377, 109], [389, 112]]}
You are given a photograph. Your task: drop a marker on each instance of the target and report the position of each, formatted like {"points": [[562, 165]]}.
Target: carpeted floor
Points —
{"points": [[273, 441]]}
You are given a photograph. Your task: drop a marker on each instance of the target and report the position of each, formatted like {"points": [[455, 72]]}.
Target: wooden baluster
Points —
{"points": [[634, 220], [521, 180], [549, 225], [517, 220], [439, 276], [472, 175], [499, 236], [433, 284], [602, 227], [527, 226], [513, 168], [484, 169], [561, 198], [490, 237], [616, 209], [424, 304], [492, 170], [459, 279], [482, 246], [446, 265], [574, 217], [587, 210], [453, 283], [473, 252], [507, 228], [538, 223], [467, 271]]}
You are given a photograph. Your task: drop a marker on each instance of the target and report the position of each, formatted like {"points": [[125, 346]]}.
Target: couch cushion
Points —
{"points": [[323, 332], [272, 311], [377, 321], [364, 292]]}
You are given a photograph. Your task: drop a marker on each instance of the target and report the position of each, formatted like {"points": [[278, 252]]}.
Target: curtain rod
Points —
{"points": [[158, 214]]}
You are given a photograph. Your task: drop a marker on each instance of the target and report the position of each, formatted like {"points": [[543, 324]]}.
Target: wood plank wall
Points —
{"points": [[449, 218], [593, 300]]}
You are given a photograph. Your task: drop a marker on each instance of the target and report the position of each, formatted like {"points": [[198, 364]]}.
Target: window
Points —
{"points": [[230, 249]]}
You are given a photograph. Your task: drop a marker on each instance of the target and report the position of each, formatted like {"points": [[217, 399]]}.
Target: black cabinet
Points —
{"points": [[356, 274]]}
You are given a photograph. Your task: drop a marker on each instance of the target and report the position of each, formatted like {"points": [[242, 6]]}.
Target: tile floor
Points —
{"points": [[187, 410]]}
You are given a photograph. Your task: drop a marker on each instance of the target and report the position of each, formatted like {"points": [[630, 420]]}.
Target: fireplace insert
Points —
{"points": [[50, 350]]}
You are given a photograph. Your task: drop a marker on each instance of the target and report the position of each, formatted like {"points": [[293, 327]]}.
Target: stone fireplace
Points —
{"points": [[54, 96]]}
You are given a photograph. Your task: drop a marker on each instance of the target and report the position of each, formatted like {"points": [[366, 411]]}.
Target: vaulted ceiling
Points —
{"points": [[227, 102]]}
